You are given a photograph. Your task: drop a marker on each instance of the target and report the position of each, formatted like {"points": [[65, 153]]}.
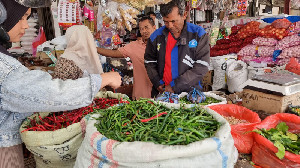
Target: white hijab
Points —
{"points": [[81, 49]]}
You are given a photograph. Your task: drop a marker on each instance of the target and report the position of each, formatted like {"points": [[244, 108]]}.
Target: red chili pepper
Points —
{"points": [[149, 119], [150, 102], [32, 128], [63, 119]]}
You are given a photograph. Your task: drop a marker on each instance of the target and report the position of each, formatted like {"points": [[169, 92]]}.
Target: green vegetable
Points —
{"points": [[209, 100], [150, 122], [296, 110], [282, 139]]}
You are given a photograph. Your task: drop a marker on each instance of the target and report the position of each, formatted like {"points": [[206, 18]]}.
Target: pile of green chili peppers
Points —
{"points": [[209, 100], [144, 120]]}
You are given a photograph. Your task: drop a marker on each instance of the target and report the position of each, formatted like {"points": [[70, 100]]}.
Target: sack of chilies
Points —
{"points": [[54, 138], [99, 151]]}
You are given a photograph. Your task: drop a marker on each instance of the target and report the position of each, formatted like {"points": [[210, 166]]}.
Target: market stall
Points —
{"points": [[247, 107]]}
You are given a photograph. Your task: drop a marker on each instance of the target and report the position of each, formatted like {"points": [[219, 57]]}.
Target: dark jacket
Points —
{"points": [[190, 57]]}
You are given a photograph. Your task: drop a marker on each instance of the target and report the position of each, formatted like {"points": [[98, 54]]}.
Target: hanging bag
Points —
{"points": [[40, 39]]}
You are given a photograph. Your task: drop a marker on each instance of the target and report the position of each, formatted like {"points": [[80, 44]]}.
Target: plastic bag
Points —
{"points": [[258, 51], [294, 28], [272, 32], [263, 151], [243, 139], [40, 39], [293, 66], [168, 97], [290, 52], [214, 32], [264, 41], [196, 96], [281, 23], [288, 41], [249, 29], [219, 65], [237, 74]]}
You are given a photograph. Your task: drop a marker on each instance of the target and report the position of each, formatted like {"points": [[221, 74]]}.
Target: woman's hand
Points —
{"points": [[112, 79]]}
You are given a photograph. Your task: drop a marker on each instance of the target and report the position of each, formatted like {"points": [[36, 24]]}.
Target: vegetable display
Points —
{"points": [[294, 110], [144, 120], [55, 121], [282, 139], [233, 121], [208, 100]]}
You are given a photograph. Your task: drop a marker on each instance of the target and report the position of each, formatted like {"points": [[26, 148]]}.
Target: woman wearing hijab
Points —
{"points": [[23, 92], [80, 55]]}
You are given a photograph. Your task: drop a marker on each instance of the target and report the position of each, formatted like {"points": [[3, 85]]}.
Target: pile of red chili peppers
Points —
{"points": [[59, 120]]}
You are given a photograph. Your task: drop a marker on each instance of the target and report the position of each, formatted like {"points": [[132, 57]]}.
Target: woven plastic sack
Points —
{"points": [[261, 41], [219, 65], [241, 133], [293, 66], [237, 74], [99, 151], [263, 151], [57, 149], [53, 149]]}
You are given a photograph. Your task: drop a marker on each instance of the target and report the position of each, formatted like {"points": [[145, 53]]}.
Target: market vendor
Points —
{"points": [[177, 54], [24, 92], [135, 51]]}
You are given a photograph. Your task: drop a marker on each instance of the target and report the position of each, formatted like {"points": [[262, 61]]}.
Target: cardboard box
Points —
{"points": [[43, 56], [207, 79], [270, 103], [207, 88]]}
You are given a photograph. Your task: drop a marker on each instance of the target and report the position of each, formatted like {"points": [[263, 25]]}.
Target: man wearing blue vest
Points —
{"points": [[177, 54]]}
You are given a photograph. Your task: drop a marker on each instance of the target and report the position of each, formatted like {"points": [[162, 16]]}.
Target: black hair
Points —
{"points": [[151, 21], [151, 13], [141, 15], [138, 34], [166, 9]]}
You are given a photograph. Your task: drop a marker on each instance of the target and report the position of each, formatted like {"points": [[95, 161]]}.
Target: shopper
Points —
{"points": [[135, 51], [158, 22], [177, 54], [23, 91], [80, 57]]}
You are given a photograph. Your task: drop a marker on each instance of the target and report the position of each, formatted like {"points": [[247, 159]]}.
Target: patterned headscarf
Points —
{"points": [[81, 49]]}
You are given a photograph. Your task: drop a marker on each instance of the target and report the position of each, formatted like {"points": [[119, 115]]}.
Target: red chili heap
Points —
{"points": [[59, 120]]}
